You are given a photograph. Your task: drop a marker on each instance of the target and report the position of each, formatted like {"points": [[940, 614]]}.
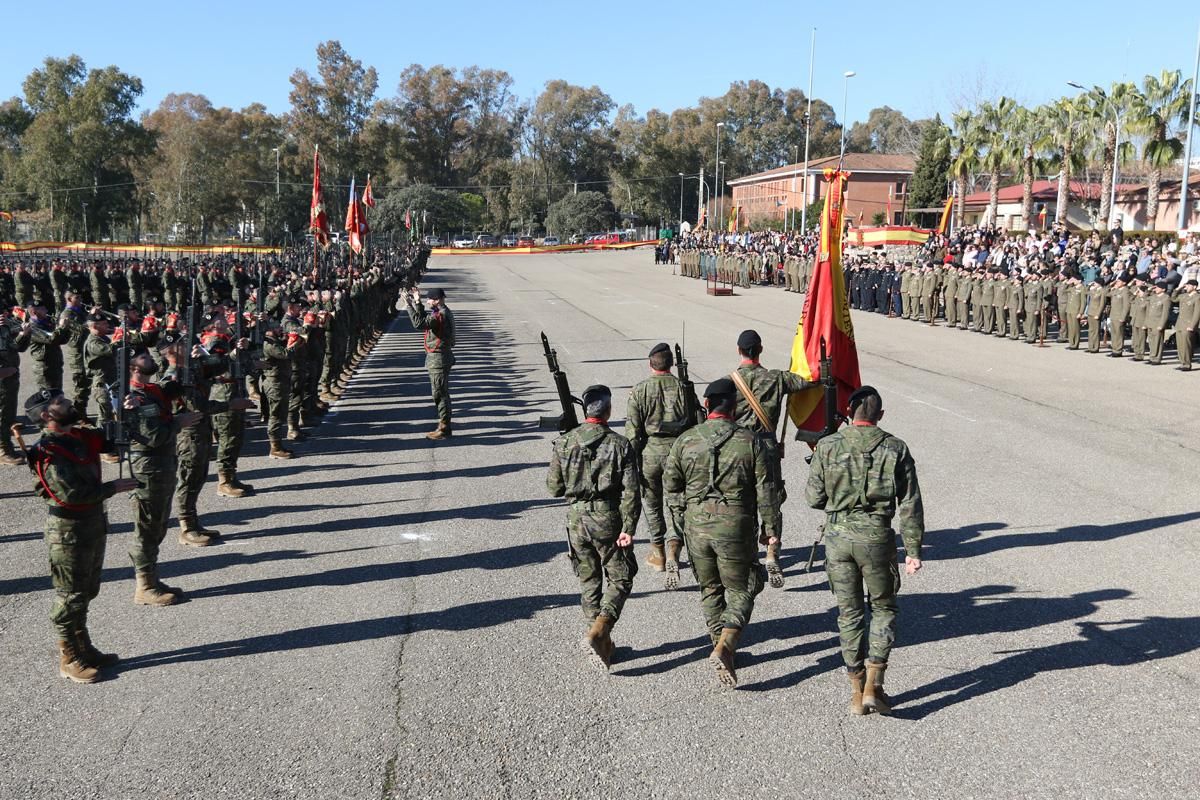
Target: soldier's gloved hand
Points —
{"points": [[624, 540], [911, 565]]}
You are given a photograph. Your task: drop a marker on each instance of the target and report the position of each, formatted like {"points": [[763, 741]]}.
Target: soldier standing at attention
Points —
{"points": [[596, 470], [723, 474], [11, 331], [862, 477], [1187, 322], [276, 383], [1158, 311], [67, 468], [1137, 317], [1097, 298], [658, 413], [1119, 299], [762, 393], [74, 319], [438, 324]]}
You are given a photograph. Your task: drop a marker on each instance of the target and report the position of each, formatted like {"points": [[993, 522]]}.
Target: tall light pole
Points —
{"points": [[276, 149], [812, 54], [680, 201], [1191, 129], [845, 103], [721, 193], [717, 178]]}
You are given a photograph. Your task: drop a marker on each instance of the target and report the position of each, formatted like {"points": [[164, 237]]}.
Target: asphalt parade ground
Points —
{"points": [[393, 617]]}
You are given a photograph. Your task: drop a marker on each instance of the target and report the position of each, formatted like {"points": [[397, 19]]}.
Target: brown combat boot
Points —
{"points": [[294, 434], [148, 591], [279, 451], [599, 641], [857, 679], [774, 571], [442, 432], [226, 486], [722, 656], [71, 664], [656, 559], [672, 565], [190, 533], [239, 484], [874, 697], [93, 656], [206, 531]]}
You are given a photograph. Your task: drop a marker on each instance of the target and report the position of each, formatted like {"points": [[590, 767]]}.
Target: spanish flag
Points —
{"points": [[826, 317], [944, 225]]}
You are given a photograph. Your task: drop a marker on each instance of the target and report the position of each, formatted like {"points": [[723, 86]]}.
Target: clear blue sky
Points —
{"points": [[662, 55]]}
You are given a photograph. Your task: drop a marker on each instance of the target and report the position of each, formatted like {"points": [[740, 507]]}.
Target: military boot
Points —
{"points": [[235, 482], [205, 531], [442, 432], [599, 641], [294, 434], [148, 592], [226, 486], [71, 664], [722, 656], [656, 558], [189, 533], [774, 571], [856, 691], [672, 565], [874, 697], [91, 655], [279, 451]]}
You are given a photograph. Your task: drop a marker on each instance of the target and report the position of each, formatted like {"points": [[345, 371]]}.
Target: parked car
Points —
{"points": [[550, 241], [433, 240], [462, 241], [485, 240], [524, 241], [508, 240]]}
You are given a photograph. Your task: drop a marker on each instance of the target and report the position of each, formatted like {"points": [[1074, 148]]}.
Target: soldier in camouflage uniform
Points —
{"points": [[10, 381], [770, 388], [438, 324], [229, 425], [596, 470], [862, 477], [658, 413], [68, 478], [297, 330], [45, 348], [721, 473], [100, 359], [276, 385], [74, 319]]}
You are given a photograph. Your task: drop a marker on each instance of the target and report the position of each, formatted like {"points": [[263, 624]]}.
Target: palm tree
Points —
{"points": [[1156, 113], [1029, 138], [994, 122], [965, 157], [1105, 111], [1064, 118]]}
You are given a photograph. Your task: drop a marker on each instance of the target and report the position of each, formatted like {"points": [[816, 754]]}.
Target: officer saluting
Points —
{"points": [[438, 324], [862, 477]]}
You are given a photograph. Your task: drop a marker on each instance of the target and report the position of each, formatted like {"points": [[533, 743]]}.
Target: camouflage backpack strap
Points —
{"points": [[714, 449], [752, 399], [860, 496]]}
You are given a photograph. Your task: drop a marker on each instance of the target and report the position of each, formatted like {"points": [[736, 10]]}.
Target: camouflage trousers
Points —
{"points": [[661, 526], [722, 544], [593, 532], [296, 393], [151, 501], [852, 565], [80, 387], [231, 436], [47, 375], [76, 560], [439, 382], [102, 399], [193, 448], [275, 394]]}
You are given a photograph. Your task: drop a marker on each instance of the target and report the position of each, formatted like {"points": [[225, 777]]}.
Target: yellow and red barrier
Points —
{"points": [[889, 235], [142, 249], [558, 248]]}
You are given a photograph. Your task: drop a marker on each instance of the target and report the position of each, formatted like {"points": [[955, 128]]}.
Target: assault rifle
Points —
{"points": [[116, 430], [568, 420], [694, 412], [236, 373], [187, 373]]}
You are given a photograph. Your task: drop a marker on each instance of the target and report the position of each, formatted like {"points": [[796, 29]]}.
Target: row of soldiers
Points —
{"points": [[1033, 305], [167, 387], [745, 268], [711, 478]]}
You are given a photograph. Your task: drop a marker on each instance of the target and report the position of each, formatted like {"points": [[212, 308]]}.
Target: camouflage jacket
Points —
{"points": [[66, 467], [721, 462], [862, 477], [152, 426], [12, 342], [439, 334], [277, 359], [593, 466], [657, 413], [100, 357], [770, 386]]}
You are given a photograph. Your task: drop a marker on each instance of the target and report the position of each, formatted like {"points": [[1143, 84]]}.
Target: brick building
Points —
{"points": [[771, 194]]}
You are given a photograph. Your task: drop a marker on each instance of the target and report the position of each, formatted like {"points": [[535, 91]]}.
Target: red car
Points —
{"points": [[525, 241]]}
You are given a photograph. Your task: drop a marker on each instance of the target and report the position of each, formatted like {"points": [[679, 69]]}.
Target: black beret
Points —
{"points": [[436, 294], [1161, 285], [860, 394], [36, 404], [749, 339], [661, 347], [596, 392], [723, 387], [97, 317]]}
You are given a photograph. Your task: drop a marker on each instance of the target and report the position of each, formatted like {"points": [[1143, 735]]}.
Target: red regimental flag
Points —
{"points": [[826, 317], [368, 197], [318, 221], [353, 222], [408, 220]]}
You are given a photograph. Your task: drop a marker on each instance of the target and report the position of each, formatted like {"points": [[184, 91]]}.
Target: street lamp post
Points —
{"points": [[845, 102], [812, 54], [717, 179], [680, 202], [1191, 129], [721, 194]]}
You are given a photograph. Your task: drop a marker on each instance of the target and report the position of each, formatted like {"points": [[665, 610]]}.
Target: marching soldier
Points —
{"points": [[596, 470], [658, 413], [862, 477], [67, 472], [721, 473], [762, 393], [438, 324]]}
